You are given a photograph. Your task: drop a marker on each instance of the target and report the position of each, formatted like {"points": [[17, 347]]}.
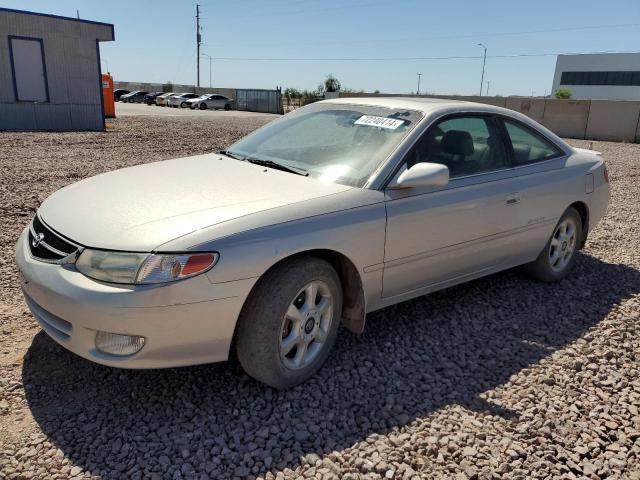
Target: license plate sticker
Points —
{"points": [[382, 122]]}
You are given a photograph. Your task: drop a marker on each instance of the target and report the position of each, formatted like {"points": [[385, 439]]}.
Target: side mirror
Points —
{"points": [[424, 175]]}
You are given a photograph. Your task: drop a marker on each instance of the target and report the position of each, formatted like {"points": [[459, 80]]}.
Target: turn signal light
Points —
{"points": [[198, 263]]}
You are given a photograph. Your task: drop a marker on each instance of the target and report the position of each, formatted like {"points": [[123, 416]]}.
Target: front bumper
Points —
{"points": [[187, 322]]}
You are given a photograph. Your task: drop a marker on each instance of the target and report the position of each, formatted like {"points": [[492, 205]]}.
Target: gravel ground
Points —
{"points": [[498, 378]]}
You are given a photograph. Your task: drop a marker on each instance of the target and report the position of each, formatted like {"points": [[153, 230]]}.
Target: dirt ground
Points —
{"points": [[498, 378]]}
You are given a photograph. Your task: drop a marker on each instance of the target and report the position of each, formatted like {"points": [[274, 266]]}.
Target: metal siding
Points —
{"points": [[267, 101], [72, 68]]}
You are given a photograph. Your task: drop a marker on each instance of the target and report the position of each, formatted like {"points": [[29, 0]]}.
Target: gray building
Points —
{"points": [[599, 76], [50, 76]]}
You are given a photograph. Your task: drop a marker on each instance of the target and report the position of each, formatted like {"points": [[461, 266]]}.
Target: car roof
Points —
{"points": [[437, 106], [421, 104]]}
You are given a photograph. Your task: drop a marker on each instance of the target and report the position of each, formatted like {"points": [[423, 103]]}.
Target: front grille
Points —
{"points": [[47, 245]]}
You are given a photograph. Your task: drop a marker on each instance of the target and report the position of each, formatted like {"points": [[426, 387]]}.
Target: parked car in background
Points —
{"points": [[211, 100], [119, 93], [136, 96], [336, 210], [150, 98], [180, 99], [161, 100]]}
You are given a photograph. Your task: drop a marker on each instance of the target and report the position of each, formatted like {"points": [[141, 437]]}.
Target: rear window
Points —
{"points": [[528, 146]]}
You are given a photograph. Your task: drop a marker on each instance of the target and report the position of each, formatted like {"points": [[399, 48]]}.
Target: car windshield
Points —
{"points": [[332, 142]]}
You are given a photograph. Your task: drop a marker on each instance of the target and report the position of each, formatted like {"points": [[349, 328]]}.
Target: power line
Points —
{"points": [[445, 37], [270, 12], [394, 59]]}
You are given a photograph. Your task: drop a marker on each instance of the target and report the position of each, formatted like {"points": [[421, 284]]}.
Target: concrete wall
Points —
{"points": [[617, 121], [72, 73], [531, 107], [602, 62], [566, 118], [590, 119]]}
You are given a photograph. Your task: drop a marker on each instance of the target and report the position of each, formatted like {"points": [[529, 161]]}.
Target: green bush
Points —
{"points": [[563, 93]]}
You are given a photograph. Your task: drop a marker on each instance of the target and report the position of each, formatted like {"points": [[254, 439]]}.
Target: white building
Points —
{"points": [[601, 76]]}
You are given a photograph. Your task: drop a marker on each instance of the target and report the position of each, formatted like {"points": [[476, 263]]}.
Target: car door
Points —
{"points": [[218, 101], [443, 235], [544, 186]]}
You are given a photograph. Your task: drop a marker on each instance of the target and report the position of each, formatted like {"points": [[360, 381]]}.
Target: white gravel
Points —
{"points": [[499, 378]]}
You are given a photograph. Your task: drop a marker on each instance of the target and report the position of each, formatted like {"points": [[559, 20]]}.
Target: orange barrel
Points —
{"points": [[107, 96]]}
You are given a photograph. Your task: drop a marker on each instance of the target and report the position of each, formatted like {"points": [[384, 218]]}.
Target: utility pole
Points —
{"points": [[198, 40], [488, 85], [210, 58], [484, 61], [418, 92]]}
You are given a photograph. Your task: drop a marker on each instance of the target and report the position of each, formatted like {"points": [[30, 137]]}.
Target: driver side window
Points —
{"points": [[467, 145]]}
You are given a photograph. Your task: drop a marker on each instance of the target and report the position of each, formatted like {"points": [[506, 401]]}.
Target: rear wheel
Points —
{"points": [[559, 255], [290, 322], [227, 106]]}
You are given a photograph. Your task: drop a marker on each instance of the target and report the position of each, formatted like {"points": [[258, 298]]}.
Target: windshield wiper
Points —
{"points": [[266, 163], [231, 154], [276, 165]]}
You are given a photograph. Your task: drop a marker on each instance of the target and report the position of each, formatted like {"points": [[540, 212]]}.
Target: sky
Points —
{"points": [[155, 41]]}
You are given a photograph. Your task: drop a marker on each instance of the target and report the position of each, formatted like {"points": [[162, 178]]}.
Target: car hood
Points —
{"points": [[140, 208]]}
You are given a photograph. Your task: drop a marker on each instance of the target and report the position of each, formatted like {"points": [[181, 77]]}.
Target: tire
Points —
{"points": [[227, 106], [183, 104], [559, 254], [203, 106], [265, 322]]}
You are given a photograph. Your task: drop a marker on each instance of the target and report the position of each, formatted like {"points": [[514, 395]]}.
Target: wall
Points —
{"points": [[607, 62], [72, 72], [585, 119]]}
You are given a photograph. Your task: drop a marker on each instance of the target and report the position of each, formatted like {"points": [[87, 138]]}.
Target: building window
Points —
{"points": [[28, 69], [601, 78]]}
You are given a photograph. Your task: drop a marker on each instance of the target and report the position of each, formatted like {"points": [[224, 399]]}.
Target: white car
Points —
{"points": [[333, 211], [211, 100], [180, 99], [161, 100]]}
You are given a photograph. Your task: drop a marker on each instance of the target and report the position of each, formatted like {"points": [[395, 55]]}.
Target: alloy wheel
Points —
{"points": [[306, 325], [563, 245]]}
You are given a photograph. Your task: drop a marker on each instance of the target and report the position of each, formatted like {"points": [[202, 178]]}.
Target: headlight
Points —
{"points": [[143, 268]]}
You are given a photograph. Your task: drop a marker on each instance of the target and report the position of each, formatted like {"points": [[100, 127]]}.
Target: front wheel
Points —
{"points": [[183, 104], [290, 322], [203, 106], [559, 254]]}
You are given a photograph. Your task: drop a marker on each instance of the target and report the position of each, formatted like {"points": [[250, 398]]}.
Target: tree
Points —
{"points": [[331, 84], [292, 93], [563, 93]]}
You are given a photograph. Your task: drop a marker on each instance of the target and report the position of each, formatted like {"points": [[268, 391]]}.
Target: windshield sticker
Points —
{"points": [[382, 122]]}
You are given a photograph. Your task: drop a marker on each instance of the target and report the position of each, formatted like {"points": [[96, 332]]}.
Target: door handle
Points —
{"points": [[513, 198]]}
